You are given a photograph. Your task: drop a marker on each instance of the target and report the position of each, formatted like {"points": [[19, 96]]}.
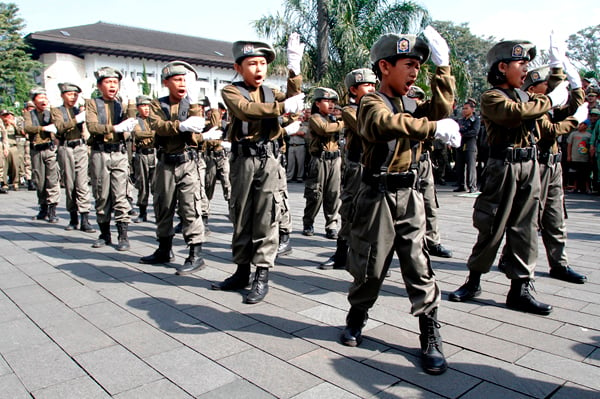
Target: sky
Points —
{"points": [[231, 20]]}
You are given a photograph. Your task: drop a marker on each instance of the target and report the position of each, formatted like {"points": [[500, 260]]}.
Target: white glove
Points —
{"points": [[292, 128], [295, 49], [582, 112], [559, 95], [294, 104], [212, 134], [193, 88], [448, 132], [572, 74], [226, 145], [440, 52], [556, 51], [193, 124], [80, 117], [50, 128], [126, 126]]}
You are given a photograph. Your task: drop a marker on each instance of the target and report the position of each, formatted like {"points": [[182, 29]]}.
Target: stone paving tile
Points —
{"points": [[4, 368], [42, 365], [275, 342], [237, 389], [256, 366], [576, 318], [12, 388], [579, 373], [212, 343], [191, 371], [408, 368], [406, 390], [326, 314], [219, 317], [289, 300], [492, 391], [467, 320], [160, 313], [18, 334], [572, 391], [325, 390], [77, 388], [15, 279], [507, 375], [545, 342], [594, 358], [161, 389], [345, 372], [9, 311], [105, 315], [282, 319], [504, 315], [142, 339], [78, 336]]}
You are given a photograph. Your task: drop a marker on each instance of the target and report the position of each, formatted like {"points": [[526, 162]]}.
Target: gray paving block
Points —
{"points": [[116, 369], [545, 342], [77, 388], [578, 333], [209, 342], [160, 314], [508, 375], [237, 389], [161, 389], [50, 313], [408, 368], [344, 372], [106, 315], [325, 390], [275, 376], [277, 317], [570, 391], [467, 320], [505, 315], [219, 317], [12, 388], [331, 298], [142, 339], [40, 366], [4, 368], [191, 371], [18, 334], [594, 358], [289, 300], [15, 279], [576, 318], [275, 342], [9, 311], [78, 336], [56, 282], [492, 391], [326, 314], [560, 367], [405, 390]]}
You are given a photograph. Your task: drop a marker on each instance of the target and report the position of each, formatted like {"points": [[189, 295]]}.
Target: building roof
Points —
{"points": [[105, 38]]}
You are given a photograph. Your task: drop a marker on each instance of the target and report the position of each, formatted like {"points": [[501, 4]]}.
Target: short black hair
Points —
{"points": [[494, 76], [392, 60]]}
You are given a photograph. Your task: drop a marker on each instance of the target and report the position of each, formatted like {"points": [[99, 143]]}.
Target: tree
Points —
{"points": [[343, 42], [583, 47], [16, 64], [145, 84]]}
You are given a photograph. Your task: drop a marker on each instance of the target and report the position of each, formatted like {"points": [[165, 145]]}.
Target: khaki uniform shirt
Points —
{"points": [[377, 124], [215, 120], [168, 137], [36, 134], [104, 133], [324, 134], [143, 138], [353, 141], [66, 130]]}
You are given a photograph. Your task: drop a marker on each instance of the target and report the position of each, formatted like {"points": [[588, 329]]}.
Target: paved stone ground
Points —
{"points": [[82, 323]]}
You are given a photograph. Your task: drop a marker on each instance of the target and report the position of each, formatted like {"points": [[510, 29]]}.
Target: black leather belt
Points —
{"points": [[512, 154], [74, 143], [392, 181], [43, 146], [424, 156], [109, 147], [181, 158], [145, 151], [296, 145], [550, 159], [326, 154], [216, 154], [248, 148]]}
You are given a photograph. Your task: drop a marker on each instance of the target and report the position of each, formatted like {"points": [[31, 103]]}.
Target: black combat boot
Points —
{"points": [[339, 259], [260, 286], [52, 218], [519, 298], [43, 213], [468, 290], [123, 244], [440, 250], [143, 216], [30, 185], [86, 227], [104, 238], [285, 245], [3, 189], [194, 262], [432, 357], [205, 223], [163, 254], [355, 321], [237, 281], [566, 273], [73, 223]]}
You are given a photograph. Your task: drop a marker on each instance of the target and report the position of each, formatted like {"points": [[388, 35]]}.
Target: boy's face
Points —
{"points": [[515, 72], [253, 70], [143, 110], [467, 111], [325, 106], [361, 89], [41, 102], [401, 76], [109, 87], [539, 88], [70, 98], [582, 127], [177, 87]]}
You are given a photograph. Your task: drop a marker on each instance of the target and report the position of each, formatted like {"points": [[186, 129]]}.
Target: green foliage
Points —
{"points": [[583, 47], [16, 64], [145, 84]]}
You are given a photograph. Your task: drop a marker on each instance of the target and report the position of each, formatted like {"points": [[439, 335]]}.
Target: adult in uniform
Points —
{"points": [[323, 181], [110, 124], [15, 145], [358, 83], [509, 199], [390, 214], [73, 156], [178, 125], [41, 131], [26, 171], [145, 156], [466, 154], [256, 135], [296, 149]]}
